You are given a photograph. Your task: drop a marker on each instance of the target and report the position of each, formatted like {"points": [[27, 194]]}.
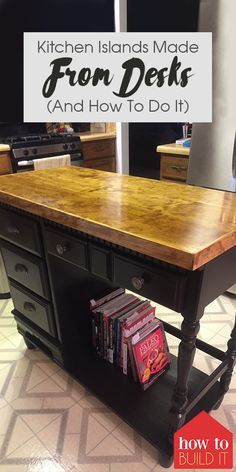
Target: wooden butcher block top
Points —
{"points": [[180, 224]]}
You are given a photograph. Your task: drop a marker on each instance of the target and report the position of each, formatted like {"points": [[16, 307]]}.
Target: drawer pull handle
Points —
{"points": [[179, 168], [61, 249], [137, 282], [21, 268], [13, 229], [29, 307]]}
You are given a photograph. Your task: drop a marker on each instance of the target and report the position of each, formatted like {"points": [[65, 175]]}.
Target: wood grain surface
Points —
{"points": [[180, 224]]}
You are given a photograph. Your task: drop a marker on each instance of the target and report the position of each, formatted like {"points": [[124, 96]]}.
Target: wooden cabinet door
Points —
{"points": [[5, 163]]}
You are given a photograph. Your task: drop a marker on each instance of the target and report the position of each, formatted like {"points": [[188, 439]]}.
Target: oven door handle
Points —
{"points": [[25, 163]]}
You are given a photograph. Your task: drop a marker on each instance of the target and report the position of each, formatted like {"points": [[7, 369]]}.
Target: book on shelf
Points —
{"points": [[126, 332], [150, 351], [100, 319], [132, 325]]}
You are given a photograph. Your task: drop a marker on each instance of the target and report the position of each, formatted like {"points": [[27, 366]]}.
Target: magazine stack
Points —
{"points": [[126, 333]]}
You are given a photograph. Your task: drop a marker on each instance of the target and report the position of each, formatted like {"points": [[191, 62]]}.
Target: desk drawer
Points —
{"points": [[174, 168], [37, 311], [66, 247], [18, 229], [158, 284], [26, 269]]}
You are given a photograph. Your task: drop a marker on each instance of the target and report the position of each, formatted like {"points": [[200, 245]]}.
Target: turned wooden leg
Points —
{"points": [[231, 356], [186, 354]]}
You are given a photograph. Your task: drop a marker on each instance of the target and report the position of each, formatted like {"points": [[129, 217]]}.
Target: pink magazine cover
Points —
{"points": [[150, 353]]}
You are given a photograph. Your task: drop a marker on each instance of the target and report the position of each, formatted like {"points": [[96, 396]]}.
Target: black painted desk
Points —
{"points": [[59, 251]]}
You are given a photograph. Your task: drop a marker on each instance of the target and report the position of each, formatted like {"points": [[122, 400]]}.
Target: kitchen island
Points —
{"points": [[71, 234]]}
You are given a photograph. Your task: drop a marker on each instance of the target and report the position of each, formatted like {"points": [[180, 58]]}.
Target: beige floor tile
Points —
{"points": [[219, 341], [205, 334], [109, 420], [27, 403], [45, 387], [91, 402], [38, 421], [110, 446], [10, 331], [130, 467], [4, 374], [35, 355], [20, 434], [11, 356], [91, 468], [61, 378], [48, 367], [2, 402], [49, 435], [57, 403], [71, 449], [13, 389], [36, 376], [21, 367], [16, 339], [32, 449], [6, 344], [95, 434], [15, 468], [6, 415], [125, 434], [74, 419], [48, 465]]}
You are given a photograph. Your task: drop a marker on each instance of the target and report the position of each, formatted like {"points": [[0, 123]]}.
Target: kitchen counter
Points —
{"points": [[173, 149], [183, 225], [69, 235], [88, 136]]}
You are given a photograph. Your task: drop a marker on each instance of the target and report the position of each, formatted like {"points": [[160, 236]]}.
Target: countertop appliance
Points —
{"points": [[24, 149], [212, 161]]}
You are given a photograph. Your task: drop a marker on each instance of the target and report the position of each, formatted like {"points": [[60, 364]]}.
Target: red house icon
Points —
{"points": [[203, 443]]}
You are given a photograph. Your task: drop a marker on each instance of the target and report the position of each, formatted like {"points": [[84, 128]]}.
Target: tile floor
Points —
{"points": [[49, 423]]}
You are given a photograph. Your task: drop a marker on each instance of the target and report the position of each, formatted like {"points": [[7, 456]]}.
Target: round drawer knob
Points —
{"points": [[12, 229], [21, 268], [61, 249], [137, 282], [29, 307]]}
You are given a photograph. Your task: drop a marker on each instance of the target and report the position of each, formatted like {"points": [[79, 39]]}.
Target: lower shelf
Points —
{"points": [[146, 412]]}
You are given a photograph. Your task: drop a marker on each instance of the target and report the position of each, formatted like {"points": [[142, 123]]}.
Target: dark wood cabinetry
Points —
{"points": [[29, 283]]}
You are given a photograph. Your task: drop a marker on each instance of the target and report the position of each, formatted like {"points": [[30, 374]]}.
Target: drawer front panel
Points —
{"points": [[97, 149], [68, 248], [108, 164], [26, 269], [174, 168], [157, 285], [20, 230], [38, 312], [100, 260]]}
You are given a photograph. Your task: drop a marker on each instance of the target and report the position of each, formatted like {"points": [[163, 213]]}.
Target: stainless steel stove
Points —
{"points": [[25, 149]]}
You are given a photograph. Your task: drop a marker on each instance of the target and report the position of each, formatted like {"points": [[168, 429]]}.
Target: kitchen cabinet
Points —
{"points": [[174, 162], [100, 152], [5, 162], [98, 233]]}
